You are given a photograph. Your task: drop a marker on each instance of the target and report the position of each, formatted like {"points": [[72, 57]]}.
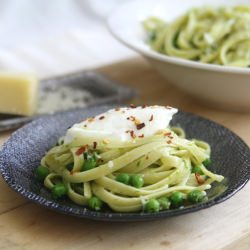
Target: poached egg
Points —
{"points": [[123, 124]]}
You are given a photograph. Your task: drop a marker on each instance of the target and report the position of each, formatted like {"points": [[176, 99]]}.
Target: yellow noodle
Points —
{"points": [[209, 35], [164, 160]]}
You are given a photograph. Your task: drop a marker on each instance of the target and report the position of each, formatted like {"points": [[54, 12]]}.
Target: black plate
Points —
{"points": [[23, 151]]}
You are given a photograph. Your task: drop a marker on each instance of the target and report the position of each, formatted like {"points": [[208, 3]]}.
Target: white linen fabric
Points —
{"points": [[51, 37]]}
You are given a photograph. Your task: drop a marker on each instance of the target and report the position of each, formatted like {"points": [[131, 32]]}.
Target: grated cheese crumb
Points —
{"points": [[57, 98]]}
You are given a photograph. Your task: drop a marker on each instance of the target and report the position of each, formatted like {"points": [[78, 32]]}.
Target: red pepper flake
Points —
{"points": [[199, 179], [94, 145], [80, 150], [169, 142], [117, 109], [144, 106], [131, 118], [132, 134], [132, 106], [167, 134], [141, 136], [151, 118], [140, 126], [102, 117]]}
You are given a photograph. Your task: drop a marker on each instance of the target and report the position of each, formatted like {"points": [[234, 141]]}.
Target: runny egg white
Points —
{"points": [[123, 124]]}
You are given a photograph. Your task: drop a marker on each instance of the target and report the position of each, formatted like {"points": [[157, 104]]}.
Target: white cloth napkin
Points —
{"points": [[51, 37]]}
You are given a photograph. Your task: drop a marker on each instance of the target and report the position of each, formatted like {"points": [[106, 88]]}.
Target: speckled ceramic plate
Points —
{"points": [[23, 151]]}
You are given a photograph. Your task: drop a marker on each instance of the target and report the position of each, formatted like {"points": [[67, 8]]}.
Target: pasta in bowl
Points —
{"points": [[216, 75], [209, 35], [129, 160]]}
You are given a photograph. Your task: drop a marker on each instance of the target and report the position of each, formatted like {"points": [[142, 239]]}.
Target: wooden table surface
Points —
{"points": [[24, 225]]}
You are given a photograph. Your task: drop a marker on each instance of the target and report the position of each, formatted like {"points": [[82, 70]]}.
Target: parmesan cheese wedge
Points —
{"points": [[18, 93]]}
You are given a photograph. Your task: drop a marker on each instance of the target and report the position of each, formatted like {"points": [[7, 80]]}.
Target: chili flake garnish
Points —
{"points": [[132, 134], [101, 117], [140, 126], [80, 150], [132, 118], [169, 142], [167, 134], [144, 106], [199, 179], [151, 118], [141, 136], [94, 145], [132, 106]]}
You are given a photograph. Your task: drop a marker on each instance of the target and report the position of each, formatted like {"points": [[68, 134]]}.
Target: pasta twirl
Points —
{"points": [[164, 161]]}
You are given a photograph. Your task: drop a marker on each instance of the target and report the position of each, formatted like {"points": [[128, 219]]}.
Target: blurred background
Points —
{"points": [[58, 36]]}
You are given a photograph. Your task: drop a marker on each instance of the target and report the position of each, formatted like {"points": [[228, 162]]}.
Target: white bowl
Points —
{"points": [[223, 86]]}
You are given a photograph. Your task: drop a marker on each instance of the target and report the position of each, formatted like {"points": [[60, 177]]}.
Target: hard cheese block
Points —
{"points": [[18, 93]]}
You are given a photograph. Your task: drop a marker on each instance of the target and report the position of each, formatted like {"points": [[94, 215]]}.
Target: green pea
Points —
{"points": [[70, 166], [197, 169], [152, 206], [164, 203], [41, 173], [123, 178], [95, 203], [196, 196], [89, 164], [59, 190], [176, 199], [207, 162], [136, 180]]}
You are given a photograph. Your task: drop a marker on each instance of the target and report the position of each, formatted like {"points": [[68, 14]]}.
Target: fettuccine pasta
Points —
{"points": [[145, 173], [209, 35]]}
